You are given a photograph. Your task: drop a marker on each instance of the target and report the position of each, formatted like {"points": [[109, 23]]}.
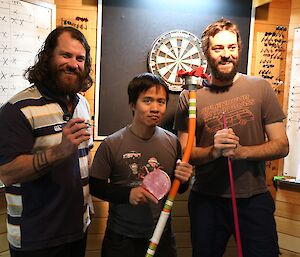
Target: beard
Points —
{"points": [[222, 75], [59, 84]]}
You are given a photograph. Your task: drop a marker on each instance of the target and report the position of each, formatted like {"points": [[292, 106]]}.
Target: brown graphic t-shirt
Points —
{"points": [[248, 104]]}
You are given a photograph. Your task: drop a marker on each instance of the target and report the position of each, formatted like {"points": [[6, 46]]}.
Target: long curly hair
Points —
{"points": [[39, 72]]}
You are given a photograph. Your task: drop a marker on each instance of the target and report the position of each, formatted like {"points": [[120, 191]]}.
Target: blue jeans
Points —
{"points": [[212, 224]]}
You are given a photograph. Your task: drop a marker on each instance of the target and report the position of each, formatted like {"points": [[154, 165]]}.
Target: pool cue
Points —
{"points": [[233, 200], [192, 82]]}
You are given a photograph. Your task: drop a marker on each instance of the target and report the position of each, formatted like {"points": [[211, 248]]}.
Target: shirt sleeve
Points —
{"points": [[100, 186], [16, 135], [271, 109], [104, 190], [102, 162]]}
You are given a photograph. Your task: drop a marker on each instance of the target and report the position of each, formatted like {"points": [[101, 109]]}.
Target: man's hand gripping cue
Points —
{"points": [[183, 171], [226, 143]]}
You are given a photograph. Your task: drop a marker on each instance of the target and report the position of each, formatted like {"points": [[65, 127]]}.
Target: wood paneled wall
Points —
{"points": [[288, 221], [294, 23], [3, 235], [267, 17], [288, 200], [286, 13], [69, 10]]}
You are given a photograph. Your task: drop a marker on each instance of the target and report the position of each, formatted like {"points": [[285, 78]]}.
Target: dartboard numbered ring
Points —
{"points": [[172, 51]]}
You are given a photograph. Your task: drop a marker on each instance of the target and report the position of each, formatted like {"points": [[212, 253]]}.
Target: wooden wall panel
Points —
{"points": [[2, 202], [181, 224], [267, 18], [288, 196], [98, 224], [3, 243], [91, 254], [287, 210], [2, 223], [289, 243], [77, 4], [184, 251], [183, 240], [285, 253], [286, 13], [287, 217], [295, 5], [180, 209], [94, 242], [5, 254], [288, 227], [69, 10], [230, 252], [275, 13], [294, 23], [101, 208]]}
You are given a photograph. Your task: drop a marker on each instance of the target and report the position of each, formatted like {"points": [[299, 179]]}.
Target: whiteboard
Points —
{"points": [[291, 162], [24, 25]]}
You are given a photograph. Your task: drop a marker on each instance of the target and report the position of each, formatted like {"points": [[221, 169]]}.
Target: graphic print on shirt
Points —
{"points": [[137, 170], [237, 112]]}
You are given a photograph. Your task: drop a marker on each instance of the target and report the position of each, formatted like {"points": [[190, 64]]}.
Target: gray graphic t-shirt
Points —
{"points": [[125, 159]]}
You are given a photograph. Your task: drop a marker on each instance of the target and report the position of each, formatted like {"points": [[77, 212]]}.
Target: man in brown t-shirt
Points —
{"points": [[253, 114]]}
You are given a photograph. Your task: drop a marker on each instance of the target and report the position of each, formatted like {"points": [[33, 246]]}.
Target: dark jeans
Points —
{"points": [[212, 224], [74, 249], [118, 245]]}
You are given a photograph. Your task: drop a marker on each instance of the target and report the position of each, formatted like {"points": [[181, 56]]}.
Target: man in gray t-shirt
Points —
{"points": [[253, 113], [123, 160]]}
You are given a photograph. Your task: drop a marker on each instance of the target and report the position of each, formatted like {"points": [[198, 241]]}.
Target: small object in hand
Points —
{"points": [[157, 183], [67, 116], [89, 126]]}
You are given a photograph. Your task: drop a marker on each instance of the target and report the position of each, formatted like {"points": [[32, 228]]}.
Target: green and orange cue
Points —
{"points": [[192, 80]]}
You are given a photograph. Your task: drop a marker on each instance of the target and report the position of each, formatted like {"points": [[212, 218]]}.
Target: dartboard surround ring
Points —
{"points": [[172, 51]]}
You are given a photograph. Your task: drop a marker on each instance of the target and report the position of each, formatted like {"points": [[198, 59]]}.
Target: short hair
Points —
{"points": [[214, 28], [40, 70], [143, 82]]}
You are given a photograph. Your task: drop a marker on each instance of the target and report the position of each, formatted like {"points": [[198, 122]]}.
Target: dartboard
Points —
{"points": [[172, 51]]}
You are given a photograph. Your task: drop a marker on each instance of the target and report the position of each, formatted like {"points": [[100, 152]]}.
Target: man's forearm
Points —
{"points": [[28, 167], [101, 189], [268, 151], [202, 155], [18, 170], [199, 155]]}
